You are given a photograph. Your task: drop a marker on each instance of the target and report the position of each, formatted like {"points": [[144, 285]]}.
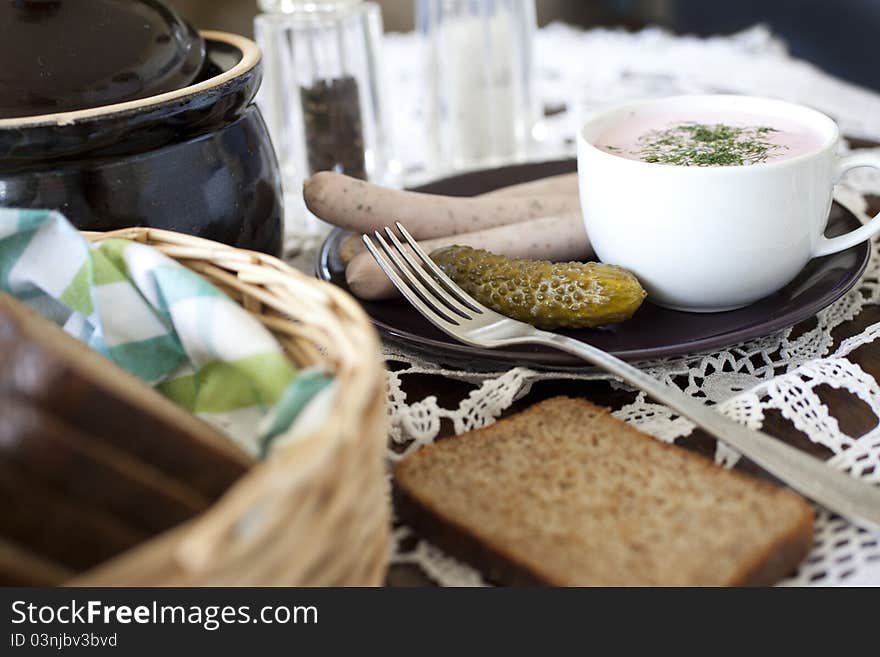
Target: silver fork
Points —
{"points": [[455, 312]]}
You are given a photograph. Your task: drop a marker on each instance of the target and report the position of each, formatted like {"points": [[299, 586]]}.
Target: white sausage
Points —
{"points": [[566, 183], [363, 207], [559, 239]]}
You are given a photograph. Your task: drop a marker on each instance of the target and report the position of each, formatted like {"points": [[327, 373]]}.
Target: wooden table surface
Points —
{"points": [[854, 416]]}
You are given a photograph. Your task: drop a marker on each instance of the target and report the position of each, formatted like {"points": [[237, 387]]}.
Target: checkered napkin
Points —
{"points": [[164, 324]]}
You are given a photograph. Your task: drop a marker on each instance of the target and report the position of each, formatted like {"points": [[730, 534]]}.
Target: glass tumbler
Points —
{"points": [[321, 94], [481, 106]]}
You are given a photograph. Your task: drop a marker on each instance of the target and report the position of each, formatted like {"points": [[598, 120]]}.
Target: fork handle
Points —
{"points": [[841, 493]]}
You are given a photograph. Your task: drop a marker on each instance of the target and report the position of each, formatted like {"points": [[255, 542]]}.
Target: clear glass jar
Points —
{"points": [[322, 93], [481, 105]]}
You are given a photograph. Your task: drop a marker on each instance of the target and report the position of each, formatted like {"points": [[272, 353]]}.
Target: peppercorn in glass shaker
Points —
{"points": [[321, 94], [481, 108]]}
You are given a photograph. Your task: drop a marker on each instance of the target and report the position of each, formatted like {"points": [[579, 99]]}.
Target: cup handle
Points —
{"points": [[828, 246]]}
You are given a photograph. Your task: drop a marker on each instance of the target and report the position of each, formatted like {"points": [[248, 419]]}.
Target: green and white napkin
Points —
{"points": [[166, 325]]}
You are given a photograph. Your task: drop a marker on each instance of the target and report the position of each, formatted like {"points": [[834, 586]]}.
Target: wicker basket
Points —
{"points": [[316, 513]]}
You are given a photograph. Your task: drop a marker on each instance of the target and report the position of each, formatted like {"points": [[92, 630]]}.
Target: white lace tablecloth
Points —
{"points": [[585, 71]]}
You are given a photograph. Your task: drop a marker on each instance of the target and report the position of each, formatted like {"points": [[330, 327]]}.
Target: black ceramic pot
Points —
{"points": [[65, 55], [198, 160]]}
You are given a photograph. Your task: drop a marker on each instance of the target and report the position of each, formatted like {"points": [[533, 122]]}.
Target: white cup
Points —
{"points": [[708, 239]]}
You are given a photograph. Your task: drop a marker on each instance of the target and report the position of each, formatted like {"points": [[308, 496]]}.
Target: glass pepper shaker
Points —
{"points": [[322, 93]]}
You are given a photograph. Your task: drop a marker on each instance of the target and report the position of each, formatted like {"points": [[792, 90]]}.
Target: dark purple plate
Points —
{"points": [[653, 332]]}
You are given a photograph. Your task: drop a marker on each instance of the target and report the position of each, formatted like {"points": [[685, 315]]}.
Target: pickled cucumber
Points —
{"points": [[546, 294]]}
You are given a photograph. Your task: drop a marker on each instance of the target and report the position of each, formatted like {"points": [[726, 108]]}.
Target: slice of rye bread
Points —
{"points": [[91, 473], [64, 377], [565, 494], [20, 567], [56, 528]]}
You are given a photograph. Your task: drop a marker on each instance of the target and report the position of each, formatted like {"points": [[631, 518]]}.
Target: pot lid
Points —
{"points": [[63, 55]]}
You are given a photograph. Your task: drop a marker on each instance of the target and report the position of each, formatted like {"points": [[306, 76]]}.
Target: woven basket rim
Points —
{"points": [[316, 322]]}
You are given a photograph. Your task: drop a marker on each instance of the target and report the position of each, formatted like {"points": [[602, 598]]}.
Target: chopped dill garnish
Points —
{"points": [[705, 145]]}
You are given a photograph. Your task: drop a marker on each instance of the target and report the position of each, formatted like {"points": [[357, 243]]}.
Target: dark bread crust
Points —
{"points": [[500, 565], [495, 566], [783, 557], [65, 378], [20, 567], [52, 526], [90, 473]]}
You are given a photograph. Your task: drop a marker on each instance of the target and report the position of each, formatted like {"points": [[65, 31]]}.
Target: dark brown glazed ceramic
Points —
{"points": [[64, 55], [132, 127], [223, 185], [197, 160], [653, 332]]}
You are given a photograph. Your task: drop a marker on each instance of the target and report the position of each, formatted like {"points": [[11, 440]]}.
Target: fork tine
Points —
{"points": [[434, 286], [442, 322], [425, 293], [440, 275]]}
